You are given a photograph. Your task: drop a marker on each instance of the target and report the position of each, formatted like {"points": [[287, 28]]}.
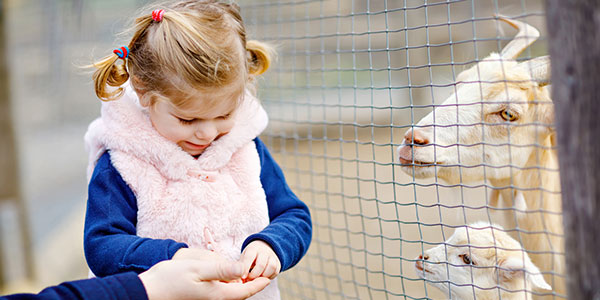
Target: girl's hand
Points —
{"points": [[260, 260], [198, 279]]}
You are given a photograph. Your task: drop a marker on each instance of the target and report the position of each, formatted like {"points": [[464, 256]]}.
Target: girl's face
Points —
{"points": [[196, 127]]}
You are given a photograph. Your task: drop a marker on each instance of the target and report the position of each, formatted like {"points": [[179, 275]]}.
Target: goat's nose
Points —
{"points": [[415, 137], [425, 258]]}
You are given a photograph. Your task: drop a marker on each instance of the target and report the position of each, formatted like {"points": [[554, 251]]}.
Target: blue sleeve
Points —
{"points": [[110, 242], [126, 286], [290, 231]]}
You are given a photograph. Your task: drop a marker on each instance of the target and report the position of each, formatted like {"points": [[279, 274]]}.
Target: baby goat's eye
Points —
{"points": [[508, 116], [467, 259]]}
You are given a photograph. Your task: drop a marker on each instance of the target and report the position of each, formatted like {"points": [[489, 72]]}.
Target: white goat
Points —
{"points": [[497, 126], [481, 262]]}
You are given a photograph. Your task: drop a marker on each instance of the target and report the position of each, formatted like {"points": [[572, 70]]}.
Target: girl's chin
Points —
{"points": [[192, 152]]}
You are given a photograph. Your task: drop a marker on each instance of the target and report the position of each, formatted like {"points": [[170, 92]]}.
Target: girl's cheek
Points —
{"points": [[226, 125], [186, 131], [230, 124], [178, 132]]}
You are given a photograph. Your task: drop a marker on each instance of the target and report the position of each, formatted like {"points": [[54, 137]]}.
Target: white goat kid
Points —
{"points": [[481, 262], [498, 126]]}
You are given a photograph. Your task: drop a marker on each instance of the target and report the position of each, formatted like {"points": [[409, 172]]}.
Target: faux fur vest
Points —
{"points": [[213, 202]]}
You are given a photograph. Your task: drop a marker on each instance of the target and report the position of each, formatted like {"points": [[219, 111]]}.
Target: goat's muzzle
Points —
{"points": [[412, 139]]}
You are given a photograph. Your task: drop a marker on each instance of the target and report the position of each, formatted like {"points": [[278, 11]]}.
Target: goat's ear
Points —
{"points": [[543, 110], [539, 69], [514, 268]]}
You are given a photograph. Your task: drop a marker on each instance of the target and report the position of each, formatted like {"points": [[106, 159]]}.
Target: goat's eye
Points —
{"points": [[508, 116], [467, 259]]}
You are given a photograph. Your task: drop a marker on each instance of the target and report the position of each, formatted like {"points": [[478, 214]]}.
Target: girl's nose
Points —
{"points": [[207, 131]]}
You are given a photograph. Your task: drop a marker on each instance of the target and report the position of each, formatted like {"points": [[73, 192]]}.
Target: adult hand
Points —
{"points": [[197, 253], [201, 254], [198, 279], [260, 260]]}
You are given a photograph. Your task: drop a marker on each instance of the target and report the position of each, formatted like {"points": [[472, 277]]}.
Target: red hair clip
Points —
{"points": [[157, 15]]}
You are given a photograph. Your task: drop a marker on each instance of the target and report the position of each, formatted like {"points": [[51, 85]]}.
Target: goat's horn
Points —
{"points": [[539, 69], [526, 36]]}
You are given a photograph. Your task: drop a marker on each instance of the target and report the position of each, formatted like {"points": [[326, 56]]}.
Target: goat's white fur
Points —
{"points": [[466, 139], [500, 268]]}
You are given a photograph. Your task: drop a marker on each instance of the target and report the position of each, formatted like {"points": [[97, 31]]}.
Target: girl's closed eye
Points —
{"points": [[185, 121], [190, 121], [224, 117]]}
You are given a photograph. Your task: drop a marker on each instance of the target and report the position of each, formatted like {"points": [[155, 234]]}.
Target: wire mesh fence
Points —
{"points": [[356, 82]]}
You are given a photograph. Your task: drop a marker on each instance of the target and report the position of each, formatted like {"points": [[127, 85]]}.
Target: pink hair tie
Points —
{"points": [[157, 15], [122, 52]]}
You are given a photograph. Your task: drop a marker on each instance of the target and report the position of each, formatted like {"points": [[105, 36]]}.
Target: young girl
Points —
{"points": [[177, 166]]}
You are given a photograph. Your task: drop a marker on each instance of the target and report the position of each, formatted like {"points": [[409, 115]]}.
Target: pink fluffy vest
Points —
{"points": [[213, 202]]}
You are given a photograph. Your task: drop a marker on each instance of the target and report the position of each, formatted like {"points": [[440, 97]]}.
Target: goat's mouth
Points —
{"points": [[405, 155], [410, 163], [419, 266]]}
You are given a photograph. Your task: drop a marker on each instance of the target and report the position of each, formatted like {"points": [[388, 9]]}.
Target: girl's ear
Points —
{"points": [[145, 99], [140, 90]]}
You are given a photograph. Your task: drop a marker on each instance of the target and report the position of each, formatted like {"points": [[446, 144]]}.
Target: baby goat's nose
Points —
{"points": [[425, 258], [415, 137]]}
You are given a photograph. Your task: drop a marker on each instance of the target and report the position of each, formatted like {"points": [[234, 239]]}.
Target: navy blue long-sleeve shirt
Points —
{"points": [[111, 245], [126, 286]]}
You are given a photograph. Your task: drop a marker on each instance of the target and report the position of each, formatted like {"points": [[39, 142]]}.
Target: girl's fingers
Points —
{"points": [[259, 266], [276, 267], [271, 268], [247, 259]]}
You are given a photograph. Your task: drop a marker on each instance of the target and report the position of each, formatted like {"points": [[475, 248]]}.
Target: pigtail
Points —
{"points": [[109, 74], [260, 56]]}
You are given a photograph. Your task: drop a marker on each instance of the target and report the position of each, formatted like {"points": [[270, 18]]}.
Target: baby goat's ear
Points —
{"points": [[514, 268]]}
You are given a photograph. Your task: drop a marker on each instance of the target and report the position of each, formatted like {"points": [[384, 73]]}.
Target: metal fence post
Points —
{"points": [[574, 40]]}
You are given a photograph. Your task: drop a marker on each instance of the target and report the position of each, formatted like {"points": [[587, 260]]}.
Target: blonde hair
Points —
{"points": [[198, 45]]}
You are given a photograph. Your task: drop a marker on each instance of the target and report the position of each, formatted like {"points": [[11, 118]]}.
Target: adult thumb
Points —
{"points": [[217, 270]]}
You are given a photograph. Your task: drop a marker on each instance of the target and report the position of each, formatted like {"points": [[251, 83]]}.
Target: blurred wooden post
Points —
{"points": [[574, 41], [9, 170]]}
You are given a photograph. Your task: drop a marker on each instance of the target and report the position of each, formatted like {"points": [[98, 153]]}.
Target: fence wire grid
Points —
{"points": [[354, 83]]}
